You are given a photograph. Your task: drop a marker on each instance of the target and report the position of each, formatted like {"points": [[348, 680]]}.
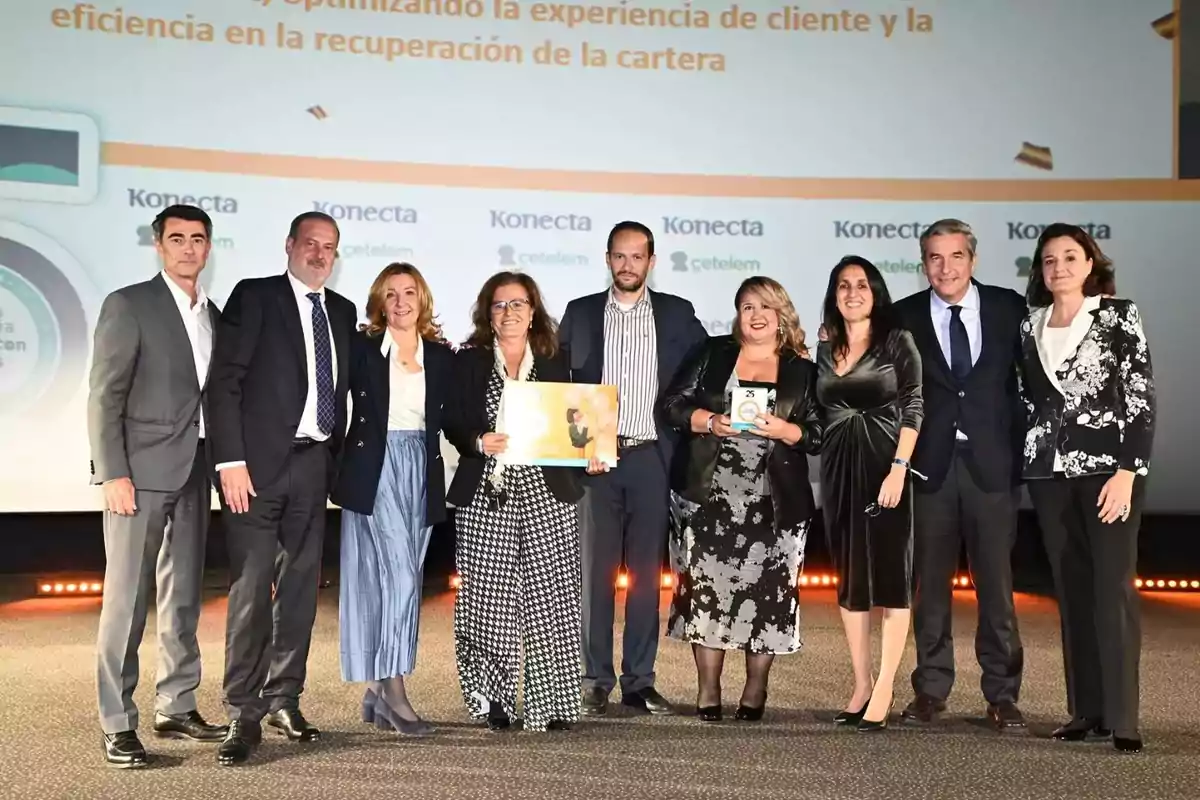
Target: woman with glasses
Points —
{"points": [[517, 551], [869, 385]]}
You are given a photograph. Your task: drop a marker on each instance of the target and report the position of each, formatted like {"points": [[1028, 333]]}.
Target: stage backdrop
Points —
{"points": [[466, 136]]}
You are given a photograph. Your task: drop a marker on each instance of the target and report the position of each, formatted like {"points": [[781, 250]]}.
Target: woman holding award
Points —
{"points": [[744, 495], [518, 540]]}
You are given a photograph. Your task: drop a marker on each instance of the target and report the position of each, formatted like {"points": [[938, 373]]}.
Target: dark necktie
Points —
{"points": [[960, 345], [324, 357]]}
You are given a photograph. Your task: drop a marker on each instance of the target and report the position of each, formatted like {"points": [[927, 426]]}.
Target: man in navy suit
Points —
{"points": [[637, 339], [968, 334]]}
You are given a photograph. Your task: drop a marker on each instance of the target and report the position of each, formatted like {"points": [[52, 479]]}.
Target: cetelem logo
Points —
{"points": [[901, 266], [1030, 231], [383, 252], [718, 327], [682, 261], [527, 221], [511, 258], [213, 203], [145, 235], [396, 215], [687, 226]]}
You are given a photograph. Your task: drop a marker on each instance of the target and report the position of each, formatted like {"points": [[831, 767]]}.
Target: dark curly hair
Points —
{"points": [[543, 329]]}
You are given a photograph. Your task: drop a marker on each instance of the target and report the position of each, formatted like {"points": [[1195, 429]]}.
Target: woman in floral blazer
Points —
{"points": [[1088, 389]]}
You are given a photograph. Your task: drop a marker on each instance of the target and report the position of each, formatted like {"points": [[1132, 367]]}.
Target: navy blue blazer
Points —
{"points": [[679, 334], [366, 441]]}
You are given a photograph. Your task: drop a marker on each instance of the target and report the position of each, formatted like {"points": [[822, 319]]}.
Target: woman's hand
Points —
{"points": [[1116, 497], [893, 487], [720, 423], [773, 427], [494, 443]]}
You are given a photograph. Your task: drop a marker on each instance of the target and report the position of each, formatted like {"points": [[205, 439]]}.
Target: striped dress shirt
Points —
{"points": [[631, 363]]}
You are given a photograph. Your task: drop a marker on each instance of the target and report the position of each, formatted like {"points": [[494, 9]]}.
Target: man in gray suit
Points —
{"points": [[146, 427]]}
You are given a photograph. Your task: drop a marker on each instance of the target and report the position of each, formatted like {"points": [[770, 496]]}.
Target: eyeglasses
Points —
{"points": [[517, 306]]}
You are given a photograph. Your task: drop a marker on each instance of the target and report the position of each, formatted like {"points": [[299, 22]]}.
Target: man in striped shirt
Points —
{"points": [[636, 339]]}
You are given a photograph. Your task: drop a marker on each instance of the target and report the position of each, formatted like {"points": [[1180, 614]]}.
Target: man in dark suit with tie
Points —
{"points": [[278, 400], [147, 427], [968, 335], [637, 339]]}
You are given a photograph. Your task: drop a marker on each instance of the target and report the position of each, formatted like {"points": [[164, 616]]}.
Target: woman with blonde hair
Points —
{"points": [[744, 495], [391, 487]]}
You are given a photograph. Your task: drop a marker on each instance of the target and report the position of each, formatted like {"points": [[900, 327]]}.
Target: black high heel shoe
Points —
{"points": [[871, 726], [709, 713], [851, 717], [751, 713], [497, 719]]}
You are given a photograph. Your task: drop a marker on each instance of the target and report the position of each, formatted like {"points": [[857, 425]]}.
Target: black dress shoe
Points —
{"points": [[497, 718], [239, 743], [1006, 717], [124, 750], [648, 699], [594, 702], [1127, 744], [851, 718], [870, 726], [188, 726], [291, 723], [749, 713], [708, 713], [1081, 730], [923, 710]]}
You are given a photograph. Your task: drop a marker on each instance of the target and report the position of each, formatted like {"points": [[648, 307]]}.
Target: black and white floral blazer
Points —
{"points": [[1096, 409]]}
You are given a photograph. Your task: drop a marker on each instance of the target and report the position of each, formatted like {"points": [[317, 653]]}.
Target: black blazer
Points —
{"points": [[986, 406], [366, 441], [678, 331], [701, 384], [1098, 408], [259, 376], [467, 420]]}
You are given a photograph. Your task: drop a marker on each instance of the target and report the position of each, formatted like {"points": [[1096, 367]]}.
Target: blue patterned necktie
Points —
{"points": [[960, 345], [324, 359]]}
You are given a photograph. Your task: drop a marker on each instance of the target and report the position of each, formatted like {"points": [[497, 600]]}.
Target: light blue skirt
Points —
{"points": [[382, 559]]}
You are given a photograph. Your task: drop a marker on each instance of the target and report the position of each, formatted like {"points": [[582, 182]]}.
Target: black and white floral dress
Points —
{"points": [[737, 571]]}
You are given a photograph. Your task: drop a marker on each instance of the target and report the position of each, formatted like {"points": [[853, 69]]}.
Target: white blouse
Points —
{"points": [[1054, 340], [406, 390]]}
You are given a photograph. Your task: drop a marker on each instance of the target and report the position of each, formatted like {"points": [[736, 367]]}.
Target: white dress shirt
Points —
{"points": [[406, 390], [1055, 341], [308, 418], [941, 314], [198, 324]]}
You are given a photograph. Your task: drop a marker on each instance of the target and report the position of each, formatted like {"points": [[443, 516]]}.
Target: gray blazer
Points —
{"points": [[143, 399]]}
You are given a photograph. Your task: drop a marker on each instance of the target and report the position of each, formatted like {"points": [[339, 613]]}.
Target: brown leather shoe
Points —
{"points": [[923, 710], [1006, 717]]}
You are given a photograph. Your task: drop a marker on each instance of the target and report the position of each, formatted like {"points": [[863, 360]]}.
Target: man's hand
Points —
{"points": [[119, 497], [237, 489]]}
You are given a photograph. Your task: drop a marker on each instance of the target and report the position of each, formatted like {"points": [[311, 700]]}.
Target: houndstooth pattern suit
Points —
{"points": [[519, 588]]}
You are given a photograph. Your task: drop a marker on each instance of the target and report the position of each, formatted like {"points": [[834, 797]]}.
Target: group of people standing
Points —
{"points": [[282, 401]]}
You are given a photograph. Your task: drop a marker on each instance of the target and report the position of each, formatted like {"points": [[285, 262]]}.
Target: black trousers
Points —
{"points": [[624, 511], [1094, 567], [275, 571], [959, 510]]}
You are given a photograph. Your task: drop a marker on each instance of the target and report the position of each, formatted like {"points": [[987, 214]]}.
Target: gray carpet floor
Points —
{"points": [[50, 744]]}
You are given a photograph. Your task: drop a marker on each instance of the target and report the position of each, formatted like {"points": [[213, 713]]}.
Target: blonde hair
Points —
{"points": [[775, 297], [427, 328]]}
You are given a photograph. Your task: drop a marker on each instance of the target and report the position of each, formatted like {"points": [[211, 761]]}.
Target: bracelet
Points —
{"points": [[902, 462], [709, 424], [479, 444]]}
